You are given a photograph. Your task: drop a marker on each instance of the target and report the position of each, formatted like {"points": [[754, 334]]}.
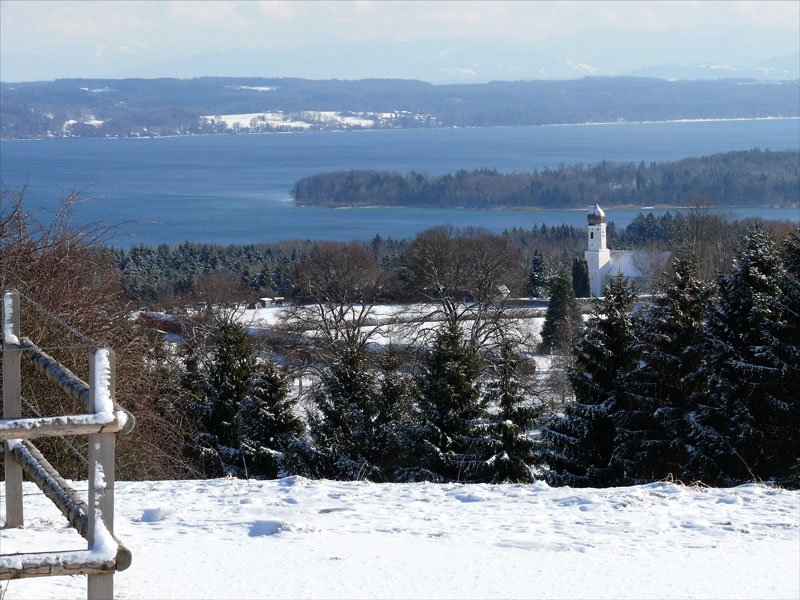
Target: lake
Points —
{"points": [[235, 188]]}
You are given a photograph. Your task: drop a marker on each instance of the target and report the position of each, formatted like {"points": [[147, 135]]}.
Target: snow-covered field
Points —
{"points": [[307, 119], [387, 320], [296, 538]]}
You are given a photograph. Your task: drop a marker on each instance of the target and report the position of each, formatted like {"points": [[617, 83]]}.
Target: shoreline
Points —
{"points": [[540, 209], [684, 120], [444, 127]]}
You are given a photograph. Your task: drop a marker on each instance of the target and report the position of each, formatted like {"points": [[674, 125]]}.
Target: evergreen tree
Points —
{"points": [[783, 342], [740, 425], [580, 443], [267, 423], [446, 442], [580, 278], [537, 278], [509, 428], [214, 382], [344, 430], [563, 315], [227, 382], [393, 417], [652, 432]]}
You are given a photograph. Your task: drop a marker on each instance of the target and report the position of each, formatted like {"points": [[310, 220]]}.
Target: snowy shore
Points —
{"points": [[297, 538]]}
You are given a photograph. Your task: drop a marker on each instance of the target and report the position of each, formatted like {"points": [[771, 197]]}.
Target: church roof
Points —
{"points": [[597, 215]]}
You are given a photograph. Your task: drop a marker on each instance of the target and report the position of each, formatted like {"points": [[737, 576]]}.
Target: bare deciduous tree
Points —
{"points": [[652, 262], [707, 237], [73, 285], [466, 276], [335, 289]]}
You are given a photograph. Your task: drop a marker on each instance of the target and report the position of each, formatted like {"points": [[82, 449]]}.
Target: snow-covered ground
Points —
{"points": [[247, 120], [296, 538], [386, 321], [327, 119]]}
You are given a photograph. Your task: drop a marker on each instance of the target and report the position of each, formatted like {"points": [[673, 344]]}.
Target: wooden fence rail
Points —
{"points": [[103, 419]]}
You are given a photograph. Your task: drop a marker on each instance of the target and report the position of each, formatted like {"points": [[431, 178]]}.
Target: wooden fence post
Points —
{"points": [[12, 404], [101, 463]]}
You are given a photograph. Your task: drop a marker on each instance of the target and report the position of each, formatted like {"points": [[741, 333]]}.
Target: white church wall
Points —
{"points": [[642, 267]]}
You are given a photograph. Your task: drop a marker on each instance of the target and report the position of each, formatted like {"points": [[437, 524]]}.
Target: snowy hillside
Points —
{"points": [[296, 538]]}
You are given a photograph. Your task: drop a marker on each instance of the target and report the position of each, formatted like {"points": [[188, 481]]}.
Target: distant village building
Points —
{"points": [[503, 293], [270, 302], [642, 267]]}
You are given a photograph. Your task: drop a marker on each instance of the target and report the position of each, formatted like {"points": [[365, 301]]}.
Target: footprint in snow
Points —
{"points": [[153, 515], [261, 528], [293, 480], [577, 501], [468, 498], [544, 546], [729, 499]]}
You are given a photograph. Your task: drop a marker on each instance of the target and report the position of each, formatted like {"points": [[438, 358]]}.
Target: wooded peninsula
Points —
{"points": [[740, 178]]}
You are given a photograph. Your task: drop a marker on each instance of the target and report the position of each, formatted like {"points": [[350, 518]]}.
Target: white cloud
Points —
{"points": [[460, 72], [582, 67]]}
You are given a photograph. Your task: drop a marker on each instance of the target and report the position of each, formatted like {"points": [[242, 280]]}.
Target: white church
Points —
{"points": [[638, 266]]}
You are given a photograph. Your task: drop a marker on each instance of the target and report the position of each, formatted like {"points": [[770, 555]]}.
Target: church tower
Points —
{"points": [[597, 254]]}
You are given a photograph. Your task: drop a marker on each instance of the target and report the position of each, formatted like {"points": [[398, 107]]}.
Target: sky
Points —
{"points": [[350, 39]]}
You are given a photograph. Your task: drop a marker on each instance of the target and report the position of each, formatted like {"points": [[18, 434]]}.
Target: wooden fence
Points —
{"points": [[93, 518]]}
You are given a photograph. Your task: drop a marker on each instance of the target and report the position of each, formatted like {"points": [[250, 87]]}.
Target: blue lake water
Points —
{"points": [[235, 188]]}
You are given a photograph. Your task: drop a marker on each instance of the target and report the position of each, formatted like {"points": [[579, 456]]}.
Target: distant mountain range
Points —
{"points": [[136, 107], [691, 52], [779, 68], [454, 62]]}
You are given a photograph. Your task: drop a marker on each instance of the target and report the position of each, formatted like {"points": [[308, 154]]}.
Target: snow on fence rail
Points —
{"points": [[94, 520]]}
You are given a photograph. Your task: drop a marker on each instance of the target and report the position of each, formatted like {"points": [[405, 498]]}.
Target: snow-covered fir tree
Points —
{"points": [[508, 427], [580, 277], [740, 426], [580, 443], [219, 363], [562, 317], [537, 277], [652, 440], [268, 425], [783, 343], [228, 377], [445, 443], [392, 421], [343, 431]]}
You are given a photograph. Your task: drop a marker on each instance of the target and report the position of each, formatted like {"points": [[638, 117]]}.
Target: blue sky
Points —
{"points": [[438, 41]]}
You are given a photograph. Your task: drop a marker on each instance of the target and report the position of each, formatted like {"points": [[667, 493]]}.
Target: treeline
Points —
{"points": [[165, 276], [700, 385], [175, 106], [742, 178]]}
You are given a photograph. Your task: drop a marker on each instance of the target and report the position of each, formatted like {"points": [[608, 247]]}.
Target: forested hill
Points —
{"points": [[133, 107], [742, 178]]}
